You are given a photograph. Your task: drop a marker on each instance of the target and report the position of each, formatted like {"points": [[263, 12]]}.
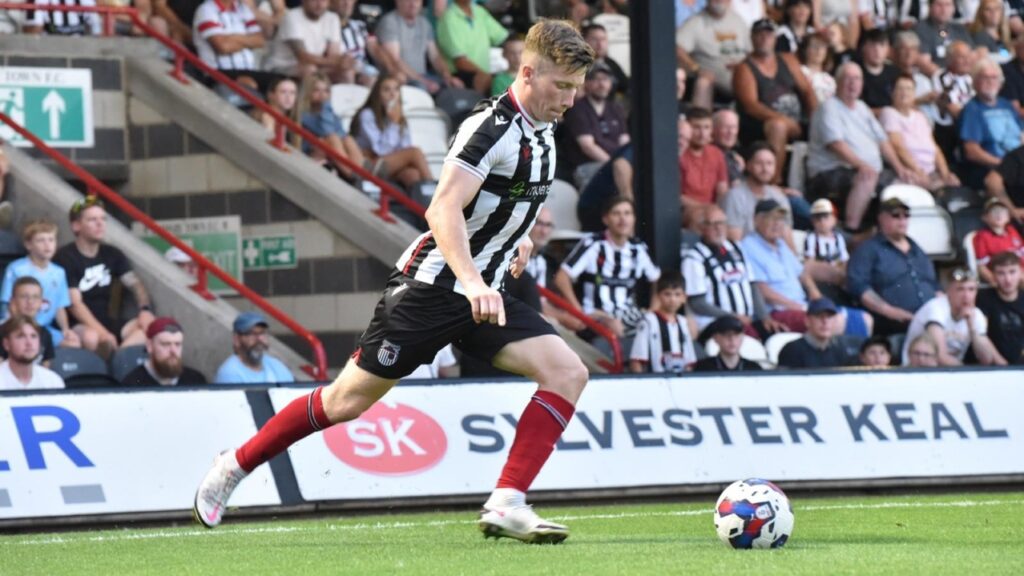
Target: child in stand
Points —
{"points": [[663, 342], [825, 252], [998, 235], [27, 300], [40, 238], [512, 51]]}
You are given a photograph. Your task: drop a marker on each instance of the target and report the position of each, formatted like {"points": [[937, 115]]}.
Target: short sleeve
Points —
{"points": [[206, 23], [981, 251], [387, 28], [980, 323], [447, 41], [118, 262], [686, 37], [650, 270], [722, 171], [858, 273], [495, 31], [642, 342], [889, 119], [972, 126], [5, 290], [477, 145], [581, 256], [252, 26], [754, 264], [333, 26], [290, 29], [733, 208], [831, 127], [694, 274]]}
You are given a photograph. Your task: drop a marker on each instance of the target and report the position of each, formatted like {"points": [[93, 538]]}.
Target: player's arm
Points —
{"points": [[455, 190]]}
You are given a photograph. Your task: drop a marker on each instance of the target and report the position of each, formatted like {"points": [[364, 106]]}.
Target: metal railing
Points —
{"points": [[615, 366], [204, 266]]}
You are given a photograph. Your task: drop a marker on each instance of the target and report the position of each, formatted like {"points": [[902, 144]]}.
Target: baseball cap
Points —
{"points": [[724, 324], [893, 203], [763, 25], [162, 324], [246, 321], [993, 202], [821, 306], [599, 68], [768, 205], [177, 255], [822, 206]]}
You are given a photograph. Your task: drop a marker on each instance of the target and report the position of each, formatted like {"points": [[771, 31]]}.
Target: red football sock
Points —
{"points": [[540, 426], [299, 419]]}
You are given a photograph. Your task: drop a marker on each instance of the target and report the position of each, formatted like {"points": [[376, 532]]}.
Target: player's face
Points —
{"points": [[92, 224], [876, 357], [762, 167], [27, 300], [820, 325], [672, 299], [1007, 278], [23, 345], [42, 246], [165, 352], [729, 342], [621, 221], [552, 91]]}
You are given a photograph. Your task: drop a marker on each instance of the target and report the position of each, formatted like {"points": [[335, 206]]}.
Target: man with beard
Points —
{"points": [[20, 337], [250, 364], [163, 367]]}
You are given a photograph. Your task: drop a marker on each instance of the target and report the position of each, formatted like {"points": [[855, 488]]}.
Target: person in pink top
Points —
{"points": [[997, 235], [911, 137], [704, 176]]}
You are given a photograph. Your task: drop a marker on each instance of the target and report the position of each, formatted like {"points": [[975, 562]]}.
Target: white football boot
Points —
{"points": [[522, 523], [216, 488]]}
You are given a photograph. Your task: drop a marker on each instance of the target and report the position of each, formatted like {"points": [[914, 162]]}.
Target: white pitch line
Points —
{"points": [[152, 535]]}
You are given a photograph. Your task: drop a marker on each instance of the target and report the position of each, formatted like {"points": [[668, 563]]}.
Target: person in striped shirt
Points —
{"points": [[663, 342], [824, 249]]}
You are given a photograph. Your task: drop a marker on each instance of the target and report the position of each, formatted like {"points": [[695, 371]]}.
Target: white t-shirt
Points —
{"points": [[42, 379], [315, 35], [937, 311], [444, 358]]}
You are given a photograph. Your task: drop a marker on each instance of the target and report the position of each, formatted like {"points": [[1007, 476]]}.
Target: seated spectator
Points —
{"points": [[595, 127], [92, 267], [841, 13], [20, 339], [597, 36], [953, 321], [704, 177], [818, 348], [309, 41], [542, 267], [875, 352], [725, 132], [996, 236], [839, 41], [179, 258], [63, 23], [989, 126], [727, 332], [923, 352], [601, 274], [1003, 306], [282, 96], [879, 75], [911, 137], [847, 146], [936, 33], [465, 34], [357, 42], [816, 61], [408, 40], [784, 282], [720, 282], [40, 238], [383, 135], [990, 30], [226, 36], [796, 26], [613, 179], [163, 365], [251, 364], [1013, 71], [889, 273], [319, 118], [954, 88], [27, 300], [739, 203], [1007, 183], [772, 94], [444, 365], [708, 47], [512, 51], [824, 249], [663, 342]]}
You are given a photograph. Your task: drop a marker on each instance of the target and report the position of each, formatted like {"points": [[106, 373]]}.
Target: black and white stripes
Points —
{"points": [[605, 274]]}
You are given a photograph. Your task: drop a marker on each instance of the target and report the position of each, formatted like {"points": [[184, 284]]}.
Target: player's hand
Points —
{"points": [[521, 257], [487, 304]]}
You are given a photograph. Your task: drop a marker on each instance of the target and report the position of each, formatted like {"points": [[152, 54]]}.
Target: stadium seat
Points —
{"points": [[751, 349], [347, 98], [796, 178], [125, 360], [798, 241], [932, 229], [969, 255], [562, 199], [457, 103], [776, 342], [81, 368], [619, 50], [912, 196], [429, 131], [414, 98]]}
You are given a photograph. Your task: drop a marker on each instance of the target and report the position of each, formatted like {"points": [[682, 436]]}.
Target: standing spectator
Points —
{"points": [[309, 41], [936, 33], [595, 127], [408, 40], [703, 175], [739, 203], [226, 36], [847, 146], [708, 47], [597, 36], [725, 132], [769, 89], [989, 126], [816, 61], [40, 238], [601, 274], [727, 332], [796, 26], [879, 75], [357, 42], [319, 118], [383, 135], [996, 236], [911, 137], [542, 268], [1013, 72], [163, 366], [465, 35], [953, 321], [27, 300], [20, 338], [62, 23], [663, 342], [251, 364], [818, 348], [824, 249], [923, 352], [954, 88], [1003, 306], [990, 30], [889, 273], [614, 178], [92, 266], [876, 352], [512, 52]]}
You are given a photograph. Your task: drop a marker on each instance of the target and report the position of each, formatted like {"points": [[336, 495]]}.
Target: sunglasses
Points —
{"points": [[899, 214], [87, 202], [963, 275]]}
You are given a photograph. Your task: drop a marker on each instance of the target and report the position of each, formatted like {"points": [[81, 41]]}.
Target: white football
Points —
{"points": [[753, 513]]}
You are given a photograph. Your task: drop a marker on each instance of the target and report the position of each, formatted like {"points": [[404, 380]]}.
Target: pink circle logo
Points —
{"points": [[389, 440]]}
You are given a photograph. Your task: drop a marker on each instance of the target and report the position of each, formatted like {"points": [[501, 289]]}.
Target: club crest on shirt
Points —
{"points": [[388, 353]]}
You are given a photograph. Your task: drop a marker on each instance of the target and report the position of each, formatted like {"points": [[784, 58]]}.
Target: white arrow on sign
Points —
{"points": [[53, 105]]}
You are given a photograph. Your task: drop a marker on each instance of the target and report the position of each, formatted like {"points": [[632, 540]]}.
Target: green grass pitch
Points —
{"points": [[928, 534]]}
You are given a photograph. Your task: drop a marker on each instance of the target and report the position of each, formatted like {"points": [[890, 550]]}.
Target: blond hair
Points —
{"points": [[559, 42], [34, 227]]}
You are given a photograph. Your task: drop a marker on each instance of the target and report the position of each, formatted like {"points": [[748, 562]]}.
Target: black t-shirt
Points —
{"points": [[141, 377], [1012, 171], [45, 347], [94, 277], [1005, 323], [801, 354], [1013, 88], [715, 364], [878, 87], [185, 10]]}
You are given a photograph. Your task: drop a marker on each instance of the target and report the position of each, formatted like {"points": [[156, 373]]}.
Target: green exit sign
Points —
{"points": [[269, 253], [55, 104]]}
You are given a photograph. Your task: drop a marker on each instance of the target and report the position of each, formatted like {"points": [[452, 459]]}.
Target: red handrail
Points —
{"points": [[94, 186], [615, 367]]}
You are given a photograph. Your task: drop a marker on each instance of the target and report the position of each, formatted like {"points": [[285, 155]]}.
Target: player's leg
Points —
{"points": [[351, 394]]}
